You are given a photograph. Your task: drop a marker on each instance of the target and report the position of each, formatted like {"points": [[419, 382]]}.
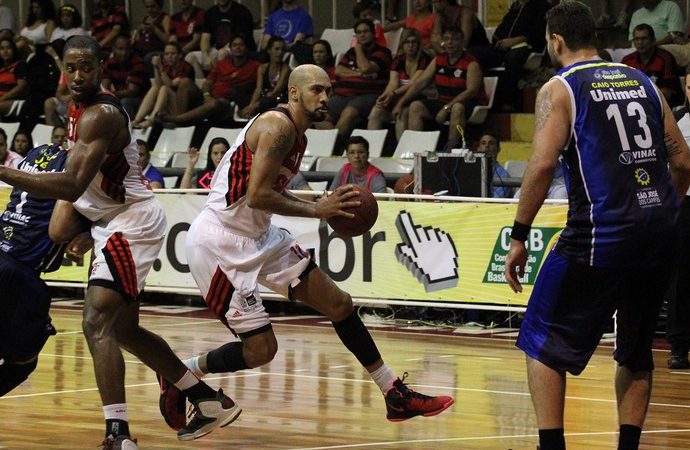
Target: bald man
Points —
{"points": [[232, 247]]}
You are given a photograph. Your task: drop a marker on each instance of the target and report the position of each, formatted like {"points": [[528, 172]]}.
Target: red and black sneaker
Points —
{"points": [[403, 403], [173, 404]]}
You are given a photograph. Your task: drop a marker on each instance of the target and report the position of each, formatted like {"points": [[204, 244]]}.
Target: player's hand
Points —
{"points": [[429, 253], [335, 203], [78, 246], [193, 156], [515, 264]]}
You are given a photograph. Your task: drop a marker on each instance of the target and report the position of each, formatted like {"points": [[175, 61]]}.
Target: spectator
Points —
{"points": [[39, 25], [665, 18], [422, 19], [370, 9], [55, 108], [152, 174], [217, 148], [108, 22], [459, 83], [322, 55], [154, 31], [22, 142], [657, 63], [186, 25], [13, 82], [291, 22], [8, 158], [271, 83], [221, 22], [407, 66], [450, 14], [520, 33], [489, 146], [125, 75], [69, 23], [58, 135], [169, 73], [357, 169], [361, 76], [233, 79]]}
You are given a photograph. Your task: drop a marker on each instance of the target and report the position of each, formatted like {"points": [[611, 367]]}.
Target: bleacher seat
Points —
{"points": [[376, 139], [40, 134], [10, 129], [258, 35], [393, 165], [339, 39], [330, 163], [515, 167], [142, 133], [319, 143], [319, 186], [480, 112], [415, 142], [170, 142]]}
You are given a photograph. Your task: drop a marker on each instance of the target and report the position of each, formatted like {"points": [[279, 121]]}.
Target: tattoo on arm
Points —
{"points": [[278, 147], [544, 107], [672, 147]]}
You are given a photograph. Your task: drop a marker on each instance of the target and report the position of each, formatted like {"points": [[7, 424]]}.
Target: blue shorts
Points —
{"points": [[571, 304], [24, 305]]}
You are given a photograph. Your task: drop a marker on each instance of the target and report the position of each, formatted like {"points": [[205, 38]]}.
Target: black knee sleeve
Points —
{"points": [[357, 339], [11, 375], [227, 358]]}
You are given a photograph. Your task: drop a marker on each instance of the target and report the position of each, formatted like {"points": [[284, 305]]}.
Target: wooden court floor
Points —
{"points": [[314, 395]]}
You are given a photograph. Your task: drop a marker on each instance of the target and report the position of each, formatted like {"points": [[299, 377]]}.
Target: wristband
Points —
{"points": [[520, 231]]}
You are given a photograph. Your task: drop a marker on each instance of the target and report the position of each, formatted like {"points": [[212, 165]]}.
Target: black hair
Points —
{"points": [[329, 50], [3, 133], [273, 40], [647, 28], [76, 17], [26, 133], [15, 51], [83, 43], [363, 5], [46, 6], [215, 141], [357, 140], [368, 23], [573, 21]]}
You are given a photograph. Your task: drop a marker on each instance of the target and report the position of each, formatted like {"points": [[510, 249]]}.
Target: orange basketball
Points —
{"points": [[365, 215]]}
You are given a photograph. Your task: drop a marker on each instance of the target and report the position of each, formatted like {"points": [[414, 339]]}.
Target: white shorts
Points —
{"points": [[126, 247], [228, 269]]}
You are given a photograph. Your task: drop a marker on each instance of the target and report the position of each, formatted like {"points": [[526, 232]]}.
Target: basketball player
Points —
{"points": [[232, 247], [104, 182], [25, 252], [628, 166]]}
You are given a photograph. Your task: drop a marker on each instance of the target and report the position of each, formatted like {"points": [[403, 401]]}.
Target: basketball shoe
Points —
{"points": [[208, 414], [403, 403], [172, 403], [120, 442]]}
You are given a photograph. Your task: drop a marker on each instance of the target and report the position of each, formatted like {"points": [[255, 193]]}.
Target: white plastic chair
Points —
{"points": [[40, 134], [376, 139], [170, 142], [142, 133], [515, 167], [320, 142], [339, 39], [480, 112], [412, 142], [10, 129], [330, 163], [393, 165]]}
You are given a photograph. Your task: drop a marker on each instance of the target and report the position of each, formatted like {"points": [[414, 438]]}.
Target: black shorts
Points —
{"points": [[362, 103], [571, 304], [24, 306], [435, 105]]}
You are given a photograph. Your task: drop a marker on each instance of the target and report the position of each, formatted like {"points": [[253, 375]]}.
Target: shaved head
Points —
{"points": [[307, 74]]}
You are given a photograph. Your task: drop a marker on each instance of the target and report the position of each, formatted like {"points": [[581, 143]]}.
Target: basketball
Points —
{"points": [[365, 215]]}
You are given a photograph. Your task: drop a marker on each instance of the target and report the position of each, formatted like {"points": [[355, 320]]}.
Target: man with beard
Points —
{"points": [[232, 247], [627, 167]]}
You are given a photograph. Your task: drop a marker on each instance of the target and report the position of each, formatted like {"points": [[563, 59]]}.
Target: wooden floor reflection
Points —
{"points": [[314, 395]]}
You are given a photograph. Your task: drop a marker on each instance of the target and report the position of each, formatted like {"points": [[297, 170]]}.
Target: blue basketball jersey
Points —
{"points": [[24, 223], [623, 207]]}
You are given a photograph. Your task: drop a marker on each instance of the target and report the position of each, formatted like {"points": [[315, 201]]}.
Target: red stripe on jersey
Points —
{"points": [[238, 175], [118, 252], [114, 170], [220, 293]]}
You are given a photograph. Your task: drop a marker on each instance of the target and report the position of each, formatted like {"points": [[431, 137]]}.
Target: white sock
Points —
{"points": [[384, 378], [188, 380], [193, 365], [117, 411]]}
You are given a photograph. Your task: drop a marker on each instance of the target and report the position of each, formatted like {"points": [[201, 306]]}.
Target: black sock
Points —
{"points": [[199, 391], [116, 427], [551, 439], [629, 438], [227, 358], [357, 339]]}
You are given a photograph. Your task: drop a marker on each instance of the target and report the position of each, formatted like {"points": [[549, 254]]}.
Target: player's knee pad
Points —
{"points": [[11, 374]]}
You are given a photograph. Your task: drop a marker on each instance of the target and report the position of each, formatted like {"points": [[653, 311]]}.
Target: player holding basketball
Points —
{"points": [[628, 165], [104, 182], [232, 247]]}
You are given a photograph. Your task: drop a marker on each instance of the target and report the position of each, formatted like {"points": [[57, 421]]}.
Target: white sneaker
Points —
{"points": [[121, 442], [209, 414]]}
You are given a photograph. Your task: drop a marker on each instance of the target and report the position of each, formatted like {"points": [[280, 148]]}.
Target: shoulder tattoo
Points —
{"points": [[544, 107], [278, 147]]}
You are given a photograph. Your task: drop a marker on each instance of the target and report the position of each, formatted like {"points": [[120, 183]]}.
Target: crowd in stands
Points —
{"points": [[205, 67]]}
